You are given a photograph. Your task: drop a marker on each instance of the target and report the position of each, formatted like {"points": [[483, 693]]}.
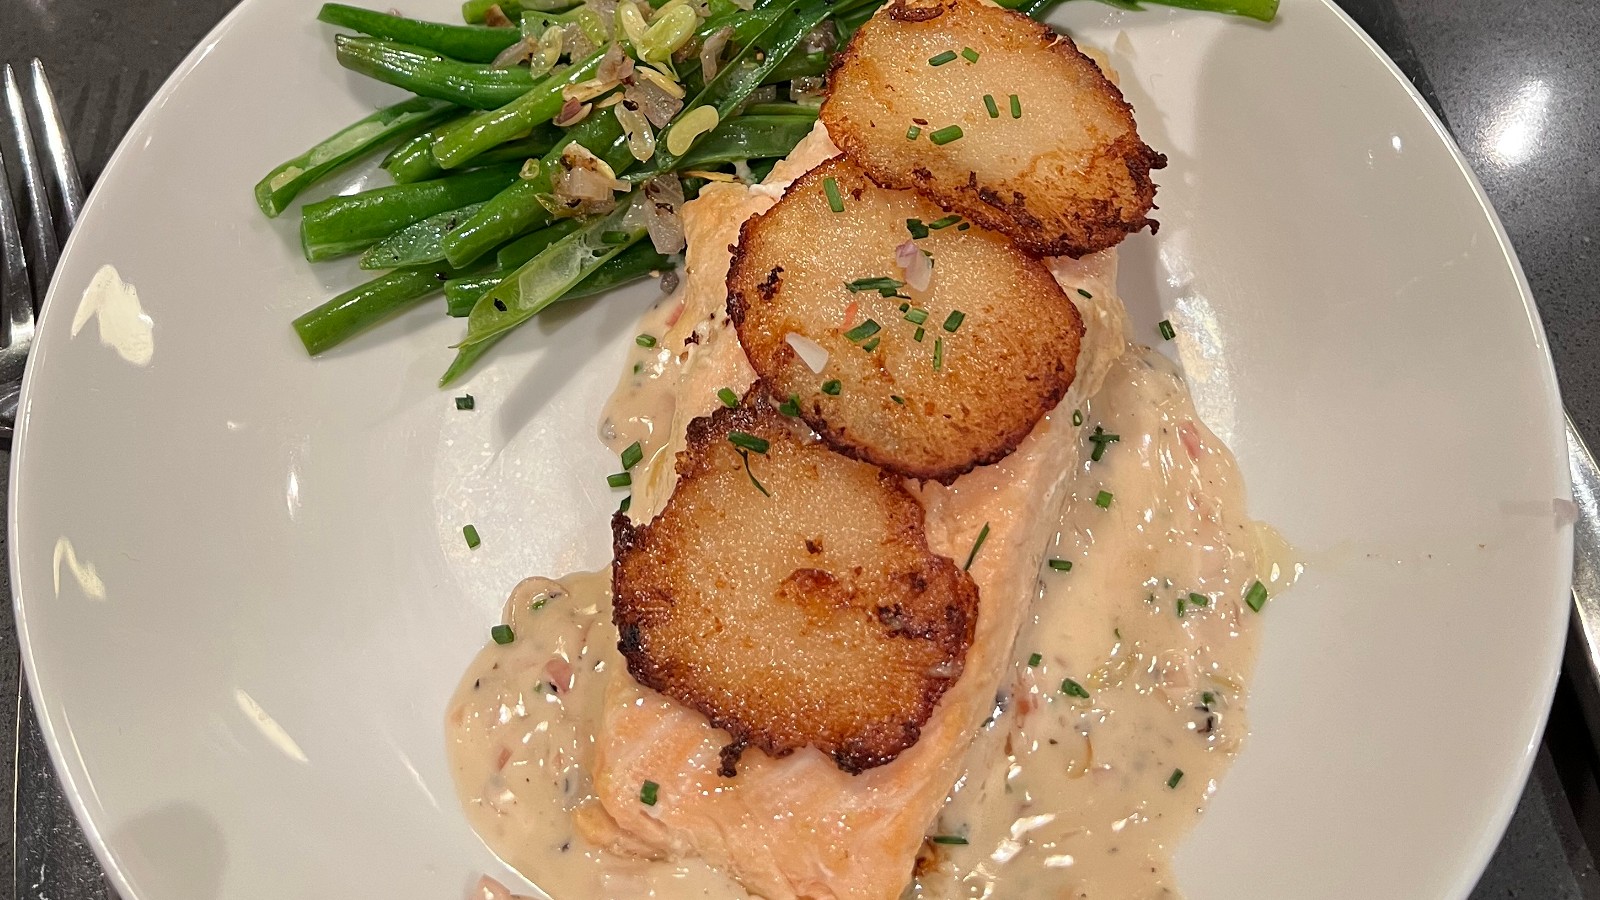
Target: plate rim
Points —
{"points": [[1506, 798]]}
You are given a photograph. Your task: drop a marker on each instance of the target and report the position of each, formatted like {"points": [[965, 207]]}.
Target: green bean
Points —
{"points": [[517, 208], [466, 358], [366, 305], [789, 110], [418, 243], [528, 246], [799, 65], [473, 11], [630, 265], [469, 43], [340, 225], [747, 137], [542, 280], [413, 160], [428, 74], [485, 130], [284, 183]]}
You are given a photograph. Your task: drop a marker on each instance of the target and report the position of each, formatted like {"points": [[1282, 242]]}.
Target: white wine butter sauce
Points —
{"points": [[1127, 703]]}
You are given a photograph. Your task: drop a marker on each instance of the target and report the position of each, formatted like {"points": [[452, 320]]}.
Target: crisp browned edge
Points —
{"points": [[879, 746], [1003, 445], [994, 213]]}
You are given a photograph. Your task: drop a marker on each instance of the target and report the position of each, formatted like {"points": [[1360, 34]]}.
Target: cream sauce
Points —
{"points": [[520, 736], [1073, 796]]}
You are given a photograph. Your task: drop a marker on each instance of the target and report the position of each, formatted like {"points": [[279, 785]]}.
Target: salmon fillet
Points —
{"points": [[798, 827]]}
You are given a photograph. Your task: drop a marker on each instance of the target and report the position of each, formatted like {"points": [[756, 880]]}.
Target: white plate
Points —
{"points": [[254, 707]]}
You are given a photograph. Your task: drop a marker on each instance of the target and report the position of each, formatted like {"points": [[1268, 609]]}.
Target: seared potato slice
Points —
{"points": [[788, 593], [925, 383], [1062, 172]]}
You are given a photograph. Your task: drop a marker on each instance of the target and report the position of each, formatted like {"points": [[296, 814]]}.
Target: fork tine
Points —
{"points": [[16, 305], [43, 248], [60, 165]]}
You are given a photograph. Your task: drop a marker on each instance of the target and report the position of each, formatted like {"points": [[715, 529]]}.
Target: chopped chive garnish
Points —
{"points": [[1165, 328], [1100, 439], [832, 388], [1061, 565], [919, 335], [1073, 689], [991, 106], [913, 133], [863, 331], [502, 634], [1256, 597], [898, 399], [632, 455], [917, 229], [1085, 294], [945, 222], [940, 59], [648, 793], [470, 532], [465, 401], [954, 320], [645, 340], [1199, 600], [916, 315], [885, 286], [1208, 698], [835, 199], [1035, 659], [871, 345], [946, 135], [905, 307], [1177, 776], [955, 840], [1016, 107], [621, 479], [759, 486], [970, 54], [615, 237], [627, 502], [977, 545], [790, 407], [749, 442], [938, 354], [963, 226], [637, 368], [1103, 500], [728, 397], [1077, 417]]}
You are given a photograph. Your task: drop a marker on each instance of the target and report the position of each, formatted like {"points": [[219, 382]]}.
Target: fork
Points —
{"points": [[33, 225], [54, 196]]}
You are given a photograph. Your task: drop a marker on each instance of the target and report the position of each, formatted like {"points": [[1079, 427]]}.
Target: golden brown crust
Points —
{"points": [[1068, 177], [932, 409], [813, 614]]}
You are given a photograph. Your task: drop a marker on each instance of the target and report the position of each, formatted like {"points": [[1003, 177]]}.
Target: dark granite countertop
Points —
{"points": [[1486, 65]]}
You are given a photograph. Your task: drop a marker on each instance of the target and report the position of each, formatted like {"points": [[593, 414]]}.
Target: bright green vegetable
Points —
{"points": [[417, 243], [413, 160], [544, 279], [798, 110], [486, 130], [283, 184], [469, 43], [517, 208], [364, 306], [632, 264], [428, 74], [741, 138], [340, 225], [528, 246]]}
